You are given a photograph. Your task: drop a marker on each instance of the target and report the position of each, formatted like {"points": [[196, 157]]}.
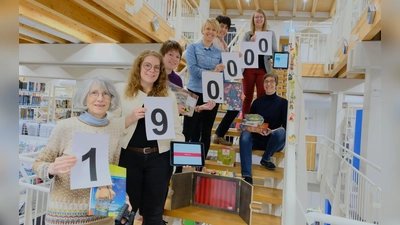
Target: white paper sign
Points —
{"points": [[233, 70], [92, 168], [264, 42], [159, 118], [250, 56], [213, 86]]}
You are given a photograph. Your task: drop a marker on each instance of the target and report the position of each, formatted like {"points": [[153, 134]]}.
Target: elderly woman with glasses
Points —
{"points": [[68, 206], [147, 161], [254, 76]]}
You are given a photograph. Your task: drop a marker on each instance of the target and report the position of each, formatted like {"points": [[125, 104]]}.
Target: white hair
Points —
{"points": [[79, 99]]}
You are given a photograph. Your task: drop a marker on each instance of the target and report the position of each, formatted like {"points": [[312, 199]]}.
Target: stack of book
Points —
{"points": [[254, 123]]}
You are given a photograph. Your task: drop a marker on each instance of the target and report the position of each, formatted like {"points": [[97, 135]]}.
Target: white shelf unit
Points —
{"points": [[348, 125], [32, 105], [61, 106]]}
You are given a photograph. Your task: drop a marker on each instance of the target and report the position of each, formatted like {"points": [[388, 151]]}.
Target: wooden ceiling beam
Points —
{"points": [[276, 7], [257, 4], [44, 17], [314, 7], [222, 6], [239, 7], [141, 19], [23, 41], [74, 13], [42, 33], [30, 39], [333, 9], [113, 19], [294, 7]]}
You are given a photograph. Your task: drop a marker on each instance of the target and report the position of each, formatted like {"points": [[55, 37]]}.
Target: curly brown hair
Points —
{"points": [[160, 87]]}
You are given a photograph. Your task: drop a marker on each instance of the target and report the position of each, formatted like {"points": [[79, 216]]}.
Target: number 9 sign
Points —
{"points": [[159, 118]]}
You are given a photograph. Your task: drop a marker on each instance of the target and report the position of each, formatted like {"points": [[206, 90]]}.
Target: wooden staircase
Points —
{"points": [[267, 192]]}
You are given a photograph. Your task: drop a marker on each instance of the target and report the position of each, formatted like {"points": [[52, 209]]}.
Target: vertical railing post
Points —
{"points": [[178, 19]]}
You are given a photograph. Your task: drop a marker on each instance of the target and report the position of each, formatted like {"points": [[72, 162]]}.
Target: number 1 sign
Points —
{"points": [[92, 168]]}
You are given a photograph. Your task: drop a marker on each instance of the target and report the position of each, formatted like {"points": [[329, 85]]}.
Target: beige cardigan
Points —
{"points": [[127, 106]]}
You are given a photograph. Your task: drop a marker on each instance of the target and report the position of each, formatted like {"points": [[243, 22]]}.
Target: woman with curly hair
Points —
{"points": [[147, 161]]}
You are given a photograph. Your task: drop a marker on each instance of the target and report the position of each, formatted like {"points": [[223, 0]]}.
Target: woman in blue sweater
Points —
{"points": [[274, 110]]}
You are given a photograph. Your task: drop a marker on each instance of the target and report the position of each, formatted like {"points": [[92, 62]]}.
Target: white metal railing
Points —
{"points": [[352, 194], [34, 194], [348, 14], [358, 8], [312, 47]]}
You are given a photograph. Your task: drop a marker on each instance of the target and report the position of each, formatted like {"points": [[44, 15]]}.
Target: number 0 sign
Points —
{"points": [[264, 41], [250, 56], [233, 69], [159, 118], [213, 86], [92, 168]]}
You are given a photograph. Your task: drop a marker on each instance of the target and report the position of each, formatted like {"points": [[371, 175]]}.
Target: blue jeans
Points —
{"points": [[271, 143]]}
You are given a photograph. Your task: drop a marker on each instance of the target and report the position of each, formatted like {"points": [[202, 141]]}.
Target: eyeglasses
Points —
{"points": [[148, 66], [95, 94], [269, 81], [258, 17]]}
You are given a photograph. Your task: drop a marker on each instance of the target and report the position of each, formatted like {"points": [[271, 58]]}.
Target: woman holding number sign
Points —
{"points": [[254, 76], [68, 206], [201, 57], [223, 127], [147, 161]]}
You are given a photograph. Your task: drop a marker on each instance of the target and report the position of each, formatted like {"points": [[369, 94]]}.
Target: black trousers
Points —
{"points": [[226, 122], [147, 183], [207, 121]]}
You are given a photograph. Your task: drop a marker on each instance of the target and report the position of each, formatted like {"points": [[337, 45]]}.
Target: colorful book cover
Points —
{"points": [[108, 200], [185, 98], [232, 96]]}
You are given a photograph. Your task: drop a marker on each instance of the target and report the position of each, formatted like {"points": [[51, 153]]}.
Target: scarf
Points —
{"points": [[93, 121]]}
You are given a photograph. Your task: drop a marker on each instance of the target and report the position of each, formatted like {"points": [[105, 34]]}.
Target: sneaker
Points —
{"points": [[268, 165], [220, 140], [248, 180]]}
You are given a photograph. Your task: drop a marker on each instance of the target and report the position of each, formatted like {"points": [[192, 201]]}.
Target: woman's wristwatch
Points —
{"points": [[197, 109]]}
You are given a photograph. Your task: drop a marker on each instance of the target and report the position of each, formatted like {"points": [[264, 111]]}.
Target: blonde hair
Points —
{"points": [[252, 26], [160, 87], [211, 21]]}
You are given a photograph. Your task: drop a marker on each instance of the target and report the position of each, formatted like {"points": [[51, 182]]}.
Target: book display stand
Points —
{"points": [[220, 193]]}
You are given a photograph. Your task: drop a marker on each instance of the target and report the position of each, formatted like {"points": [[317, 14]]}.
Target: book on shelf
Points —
{"points": [[108, 200], [185, 98]]}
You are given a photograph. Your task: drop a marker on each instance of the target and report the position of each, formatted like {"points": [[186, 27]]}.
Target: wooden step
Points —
{"points": [[254, 152], [219, 119], [216, 217], [256, 206], [231, 132], [267, 195], [258, 170], [203, 215], [264, 219]]}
